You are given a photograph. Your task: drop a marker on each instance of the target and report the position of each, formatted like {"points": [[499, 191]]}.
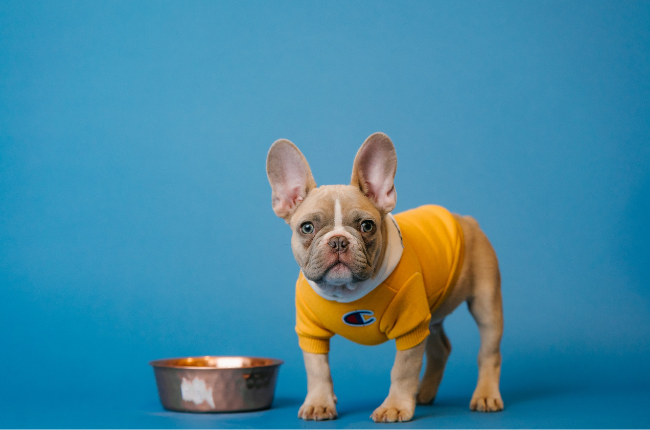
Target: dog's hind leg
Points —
{"points": [[486, 308], [437, 351], [487, 397]]}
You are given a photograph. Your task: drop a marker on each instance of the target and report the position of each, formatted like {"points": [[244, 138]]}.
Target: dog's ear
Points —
{"points": [[374, 171], [290, 177]]}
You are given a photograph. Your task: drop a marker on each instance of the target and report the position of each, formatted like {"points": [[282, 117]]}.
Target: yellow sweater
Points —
{"points": [[400, 307]]}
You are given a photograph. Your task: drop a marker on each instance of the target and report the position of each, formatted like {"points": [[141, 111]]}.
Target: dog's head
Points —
{"points": [[339, 231]]}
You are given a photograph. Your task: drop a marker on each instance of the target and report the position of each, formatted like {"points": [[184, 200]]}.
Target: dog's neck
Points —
{"points": [[387, 260]]}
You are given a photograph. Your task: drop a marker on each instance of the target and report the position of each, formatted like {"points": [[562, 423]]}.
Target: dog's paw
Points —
{"points": [[318, 409], [390, 413], [486, 400]]}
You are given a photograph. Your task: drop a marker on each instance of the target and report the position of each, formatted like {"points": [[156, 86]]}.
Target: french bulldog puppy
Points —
{"points": [[371, 276]]}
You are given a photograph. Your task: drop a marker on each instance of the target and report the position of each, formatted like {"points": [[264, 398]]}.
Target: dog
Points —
{"points": [[371, 276]]}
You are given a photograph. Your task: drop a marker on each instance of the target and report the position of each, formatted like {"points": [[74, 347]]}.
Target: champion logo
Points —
{"points": [[359, 318]]}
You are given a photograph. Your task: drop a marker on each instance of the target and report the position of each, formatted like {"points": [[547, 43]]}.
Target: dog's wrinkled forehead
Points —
{"points": [[335, 205]]}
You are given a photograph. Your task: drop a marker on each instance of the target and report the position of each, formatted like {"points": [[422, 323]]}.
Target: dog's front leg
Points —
{"points": [[400, 403], [320, 403]]}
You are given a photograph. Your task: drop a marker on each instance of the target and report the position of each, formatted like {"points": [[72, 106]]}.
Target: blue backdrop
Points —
{"points": [[136, 221]]}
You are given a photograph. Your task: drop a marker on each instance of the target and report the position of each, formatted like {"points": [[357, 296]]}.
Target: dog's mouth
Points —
{"points": [[338, 274], [329, 269], [339, 268]]}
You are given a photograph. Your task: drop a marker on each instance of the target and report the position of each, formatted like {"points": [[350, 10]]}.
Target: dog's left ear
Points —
{"points": [[290, 177], [374, 171]]}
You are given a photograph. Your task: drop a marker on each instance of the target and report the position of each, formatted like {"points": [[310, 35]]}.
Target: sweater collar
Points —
{"points": [[350, 293]]}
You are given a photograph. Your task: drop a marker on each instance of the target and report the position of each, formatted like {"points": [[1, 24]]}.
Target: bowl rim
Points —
{"points": [[160, 363]]}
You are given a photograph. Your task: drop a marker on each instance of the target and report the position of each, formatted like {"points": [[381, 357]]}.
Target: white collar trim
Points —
{"points": [[351, 292]]}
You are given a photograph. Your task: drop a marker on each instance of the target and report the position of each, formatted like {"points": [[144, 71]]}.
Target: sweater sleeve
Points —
{"points": [[312, 336], [407, 317]]}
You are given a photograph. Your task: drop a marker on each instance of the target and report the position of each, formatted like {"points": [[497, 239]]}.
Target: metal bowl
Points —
{"points": [[216, 384]]}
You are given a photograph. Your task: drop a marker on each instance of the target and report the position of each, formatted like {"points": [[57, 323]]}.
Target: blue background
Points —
{"points": [[136, 221]]}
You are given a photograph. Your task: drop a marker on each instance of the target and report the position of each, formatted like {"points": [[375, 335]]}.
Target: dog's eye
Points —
{"points": [[367, 226], [307, 228]]}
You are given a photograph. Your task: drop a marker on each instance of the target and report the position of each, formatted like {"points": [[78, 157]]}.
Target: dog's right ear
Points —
{"points": [[374, 171], [290, 177]]}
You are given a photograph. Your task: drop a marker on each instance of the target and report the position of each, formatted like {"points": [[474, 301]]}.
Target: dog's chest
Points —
{"points": [[358, 321]]}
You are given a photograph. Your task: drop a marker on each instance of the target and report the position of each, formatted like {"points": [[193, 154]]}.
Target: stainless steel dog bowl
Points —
{"points": [[216, 384]]}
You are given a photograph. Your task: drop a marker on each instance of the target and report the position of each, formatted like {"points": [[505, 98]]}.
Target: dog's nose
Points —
{"points": [[338, 243]]}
